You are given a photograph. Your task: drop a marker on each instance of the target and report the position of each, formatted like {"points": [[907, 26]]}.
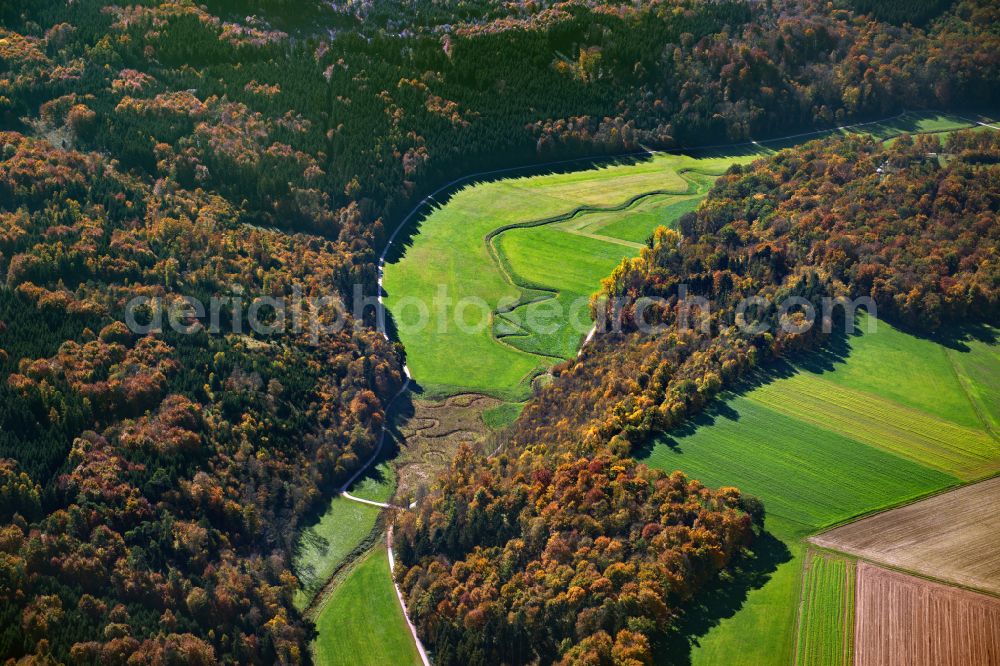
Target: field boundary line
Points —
{"points": [[850, 607], [898, 505], [916, 574]]}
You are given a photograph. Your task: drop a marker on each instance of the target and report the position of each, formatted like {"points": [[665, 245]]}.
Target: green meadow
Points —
{"points": [[324, 545], [978, 371], [916, 122], [826, 613], [753, 635], [528, 248], [362, 623], [342, 526], [492, 274], [808, 477], [966, 452], [887, 418]]}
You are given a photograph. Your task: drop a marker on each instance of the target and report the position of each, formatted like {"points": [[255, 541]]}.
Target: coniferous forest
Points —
{"points": [[152, 486]]}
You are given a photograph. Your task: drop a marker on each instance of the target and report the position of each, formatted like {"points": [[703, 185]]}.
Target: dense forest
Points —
{"points": [[152, 485], [914, 227], [300, 130]]}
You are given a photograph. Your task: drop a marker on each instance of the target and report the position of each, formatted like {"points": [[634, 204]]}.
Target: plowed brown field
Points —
{"points": [[903, 620], [954, 537]]}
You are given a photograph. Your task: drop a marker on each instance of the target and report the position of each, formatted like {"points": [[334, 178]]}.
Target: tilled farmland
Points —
{"points": [[950, 537], [903, 620]]}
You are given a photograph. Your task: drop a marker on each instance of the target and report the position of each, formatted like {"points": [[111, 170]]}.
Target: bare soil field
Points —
{"points": [[954, 537], [903, 620]]}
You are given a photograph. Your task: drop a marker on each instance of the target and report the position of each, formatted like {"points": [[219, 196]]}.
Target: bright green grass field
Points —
{"points": [[910, 123], [978, 371], [808, 477], [866, 417], [762, 631], [534, 254], [361, 623], [377, 484], [826, 614], [894, 418], [324, 545], [501, 416], [640, 224], [448, 259], [920, 373], [344, 524]]}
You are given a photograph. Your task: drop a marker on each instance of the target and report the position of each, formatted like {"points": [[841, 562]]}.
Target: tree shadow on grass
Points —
{"points": [[956, 337], [826, 358], [375, 472], [721, 599], [431, 200]]}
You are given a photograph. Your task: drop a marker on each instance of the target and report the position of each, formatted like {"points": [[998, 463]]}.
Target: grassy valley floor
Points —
{"points": [[362, 624]]}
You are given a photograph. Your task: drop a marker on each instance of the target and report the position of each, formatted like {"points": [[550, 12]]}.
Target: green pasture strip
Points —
{"points": [[914, 122], [362, 624], [962, 452], [825, 635], [323, 546], [607, 185], [640, 224]]}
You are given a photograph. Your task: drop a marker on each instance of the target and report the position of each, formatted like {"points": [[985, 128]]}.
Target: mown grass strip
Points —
{"points": [[963, 452], [826, 612]]}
